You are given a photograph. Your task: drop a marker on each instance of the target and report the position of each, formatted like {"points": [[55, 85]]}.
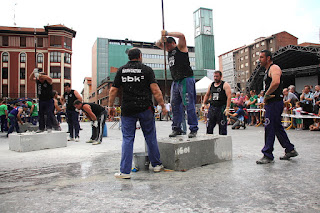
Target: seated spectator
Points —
{"points": [[316, 125], [316, 99], [237, 118], [239, 100], [292, 89]]}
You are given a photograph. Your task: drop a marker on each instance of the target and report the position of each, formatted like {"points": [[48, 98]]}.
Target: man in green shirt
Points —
{"points": [[252, 103], [4, 116], [34, 112]]}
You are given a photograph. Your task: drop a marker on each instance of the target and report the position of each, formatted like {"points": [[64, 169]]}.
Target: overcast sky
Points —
{"points": [[235, 22]]}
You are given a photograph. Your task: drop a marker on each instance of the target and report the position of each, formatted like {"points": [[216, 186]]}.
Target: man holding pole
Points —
{"points": [[183, 93]]}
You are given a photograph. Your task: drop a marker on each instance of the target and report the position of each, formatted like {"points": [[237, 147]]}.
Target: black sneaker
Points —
{"points": [[289, 155], [174, 133], [264, 160], [192, 135]]}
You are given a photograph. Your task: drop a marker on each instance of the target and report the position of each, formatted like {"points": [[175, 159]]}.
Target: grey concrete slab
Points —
{"points": [[79, 178], [181, 153], [31, 141]]}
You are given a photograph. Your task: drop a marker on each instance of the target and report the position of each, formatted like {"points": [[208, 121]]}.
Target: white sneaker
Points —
{"points": [[70, 139], [122, 175], [158, 168], [77, 139]]}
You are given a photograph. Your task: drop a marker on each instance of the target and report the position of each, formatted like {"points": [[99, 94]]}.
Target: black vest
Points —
{"points": [[95, 108], [218, 95], [70, 98], [179, 64], [278, 92], [44, 90]]}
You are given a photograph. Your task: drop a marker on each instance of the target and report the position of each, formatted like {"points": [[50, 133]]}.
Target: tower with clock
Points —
{"points": [[204, 39]]}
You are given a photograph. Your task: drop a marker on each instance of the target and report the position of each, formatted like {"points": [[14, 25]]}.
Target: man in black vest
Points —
{"points": [[97, 115], [69, 97], [183, 92], [219, 96], [44, 88], [274, 107]]}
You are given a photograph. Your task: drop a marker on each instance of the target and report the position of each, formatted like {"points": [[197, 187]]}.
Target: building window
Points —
{"points": [[247, 64], [257, 45], [40, 42], [23, 42], [242, 65], [4, 90], [241, 51], [67, 42], [22, 73], [271, 41], [5, 41], [241, 59], [246, 57], [55, 72], [5, 57], [22, 91], [5, 73], [67, 58], [257, 53], [40, 58], [253, 55], [271, 49], [67, 73], [55, 56], [23, 58], [262, 43], [246, 50], [254, 63], [55, 41]]}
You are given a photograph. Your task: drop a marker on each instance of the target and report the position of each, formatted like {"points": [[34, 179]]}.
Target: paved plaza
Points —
{"points": [[79, 178]]}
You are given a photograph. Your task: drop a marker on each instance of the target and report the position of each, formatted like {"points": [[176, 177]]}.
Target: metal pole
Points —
{"points": [[165, 57], [35, 58]]}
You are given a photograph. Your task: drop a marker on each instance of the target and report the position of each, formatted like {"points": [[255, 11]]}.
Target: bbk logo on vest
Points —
{"points": [[132, 78]]}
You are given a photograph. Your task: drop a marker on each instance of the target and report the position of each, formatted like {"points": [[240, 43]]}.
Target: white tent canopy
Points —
{"points": [[202, 85]]}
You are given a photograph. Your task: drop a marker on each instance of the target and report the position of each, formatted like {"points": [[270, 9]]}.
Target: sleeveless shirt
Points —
{"points": [[44, 90], [218, 95], [278, 92], [70, 98], [95, 108], [179, 64]]}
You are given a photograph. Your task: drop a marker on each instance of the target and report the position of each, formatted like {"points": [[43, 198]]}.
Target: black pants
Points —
{"points": [[97, 132]]}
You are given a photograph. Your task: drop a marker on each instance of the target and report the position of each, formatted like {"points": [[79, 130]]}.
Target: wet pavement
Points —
{"points": [[79, 178]]}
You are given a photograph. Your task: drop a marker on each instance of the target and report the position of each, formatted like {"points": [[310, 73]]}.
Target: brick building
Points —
{"points": [[244, 59], [19, 56]]}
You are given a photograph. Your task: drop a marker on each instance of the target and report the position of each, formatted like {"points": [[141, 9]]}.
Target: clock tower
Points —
{"points": [[204, 39]]}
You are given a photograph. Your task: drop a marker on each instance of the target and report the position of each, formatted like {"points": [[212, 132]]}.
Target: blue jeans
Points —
{"points": [[34, 120], [183, 94], [273, 127], [73, 123], [4, 126], [45, 108], [13, 124], [128, 129], [216, 115]]}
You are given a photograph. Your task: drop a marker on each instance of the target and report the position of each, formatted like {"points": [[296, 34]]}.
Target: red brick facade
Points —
{"points": [[17, 61]]}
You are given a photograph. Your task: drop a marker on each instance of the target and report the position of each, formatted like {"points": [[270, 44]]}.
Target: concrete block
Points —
{"points": [[28, 127], [27, 142], [183, 153]]}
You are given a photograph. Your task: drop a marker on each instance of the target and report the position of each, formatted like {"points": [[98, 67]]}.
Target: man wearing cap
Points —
{"points": [[138, 84], [183, 92], [44, 88]]}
